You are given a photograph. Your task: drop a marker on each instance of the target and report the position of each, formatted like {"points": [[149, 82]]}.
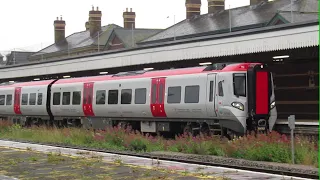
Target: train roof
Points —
{"points": [[220, 67], [32, 83]]}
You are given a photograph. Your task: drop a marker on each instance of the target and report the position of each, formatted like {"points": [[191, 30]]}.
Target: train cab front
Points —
{"points": [[262, 112]]}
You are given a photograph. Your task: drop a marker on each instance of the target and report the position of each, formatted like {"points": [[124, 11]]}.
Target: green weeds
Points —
{"points": [[273, 147]]}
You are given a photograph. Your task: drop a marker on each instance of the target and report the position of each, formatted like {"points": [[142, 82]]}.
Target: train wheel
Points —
{"points": [[187, 129], [205, 130], [224, 132]]}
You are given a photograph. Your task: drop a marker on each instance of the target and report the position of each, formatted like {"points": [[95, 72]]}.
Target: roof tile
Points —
{"points": [[240, 17]]}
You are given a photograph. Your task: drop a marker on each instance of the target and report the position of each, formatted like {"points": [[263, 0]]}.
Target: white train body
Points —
{"points": [[153, 99]]}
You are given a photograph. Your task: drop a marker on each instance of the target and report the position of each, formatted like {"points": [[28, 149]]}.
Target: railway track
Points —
{"points": [[285, 170]]}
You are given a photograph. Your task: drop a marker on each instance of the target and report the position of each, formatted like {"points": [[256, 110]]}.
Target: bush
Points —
{"points": [[138, 145], [273, 147]]}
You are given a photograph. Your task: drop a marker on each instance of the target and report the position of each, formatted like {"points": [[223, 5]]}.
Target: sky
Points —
{"points": [[28, 25]]}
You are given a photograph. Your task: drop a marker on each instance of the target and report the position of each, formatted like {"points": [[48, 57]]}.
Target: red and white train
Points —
{"points": [[236, 97]]}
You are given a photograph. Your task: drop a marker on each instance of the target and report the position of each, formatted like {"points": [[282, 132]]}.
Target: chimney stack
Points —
{"points": [[94, 21], [253, 2], [129, 19], [59, 30], [192, 8], [87, 26], [215, 5]]}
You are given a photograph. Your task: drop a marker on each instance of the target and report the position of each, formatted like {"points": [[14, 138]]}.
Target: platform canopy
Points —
{"points": [[266, 39]]}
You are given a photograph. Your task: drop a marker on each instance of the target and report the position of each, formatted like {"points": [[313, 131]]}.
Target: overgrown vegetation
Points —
{"points": [[273, 147]]}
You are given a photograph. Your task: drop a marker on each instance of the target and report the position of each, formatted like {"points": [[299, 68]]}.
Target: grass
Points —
{"points": [[273, 147]]}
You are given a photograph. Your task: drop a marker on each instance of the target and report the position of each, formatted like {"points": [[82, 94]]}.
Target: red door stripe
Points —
{"points": [[262, 94], [157, 97], [87, 99], [17, 94], [162, 88]]}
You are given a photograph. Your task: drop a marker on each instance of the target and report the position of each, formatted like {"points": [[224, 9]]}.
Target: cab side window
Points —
{"points": [[220, 88]]}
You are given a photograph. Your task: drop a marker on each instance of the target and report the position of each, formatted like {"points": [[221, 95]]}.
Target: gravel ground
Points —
{"points": [[34, 165], [220, 160]]}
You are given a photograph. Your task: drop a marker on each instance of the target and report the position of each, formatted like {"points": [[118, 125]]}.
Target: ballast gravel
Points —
{"points": [[238, 162]]}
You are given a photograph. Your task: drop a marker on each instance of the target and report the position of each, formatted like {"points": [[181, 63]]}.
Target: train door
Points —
{"points": [[87, 99], [17, 95], [220, 97], [157, 97], [210, 100]]}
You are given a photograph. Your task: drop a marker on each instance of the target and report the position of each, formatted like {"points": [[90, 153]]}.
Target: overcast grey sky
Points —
{"points": [[28, 24]]}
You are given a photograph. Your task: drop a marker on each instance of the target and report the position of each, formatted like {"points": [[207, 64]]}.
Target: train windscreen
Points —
{"points": [[239, 84]]}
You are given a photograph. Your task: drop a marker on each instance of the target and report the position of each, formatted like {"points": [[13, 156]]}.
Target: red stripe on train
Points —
{"points": [[87, 99], [17, 95], [262, 95], [157, 97]]}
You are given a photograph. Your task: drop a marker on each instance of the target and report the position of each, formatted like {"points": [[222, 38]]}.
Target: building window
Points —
{"points": [[191, 94], [101, 97], [56, 98], [174, 95], [140, 96], [66, 97], [32, 99], [24, 100], [126, 96], [113, 97], [9, 100], [76, 98]]}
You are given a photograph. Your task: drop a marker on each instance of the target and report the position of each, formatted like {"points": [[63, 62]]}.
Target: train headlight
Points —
{"points": [[238, 105], [272, 105]]}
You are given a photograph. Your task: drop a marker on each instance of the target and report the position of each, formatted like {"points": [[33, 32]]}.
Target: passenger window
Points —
{"points": [[9, 100], [76, 98], [220, 88], [161, 93], [174, 95], [2, 99], [32, 99], [39, 101], [56, 98], [113, 97], [191, 94], [101, 97], [90, 94], [154, 93], [126, 96], [24, 100], [66, 96], [140, 96], [211, 92]]}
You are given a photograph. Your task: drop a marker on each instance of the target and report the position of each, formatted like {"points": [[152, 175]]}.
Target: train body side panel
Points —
{"points": [[190, 104], [6, 109], [123, 108], [33, 100], [273, 112], [230, 117], [69, 105]]}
